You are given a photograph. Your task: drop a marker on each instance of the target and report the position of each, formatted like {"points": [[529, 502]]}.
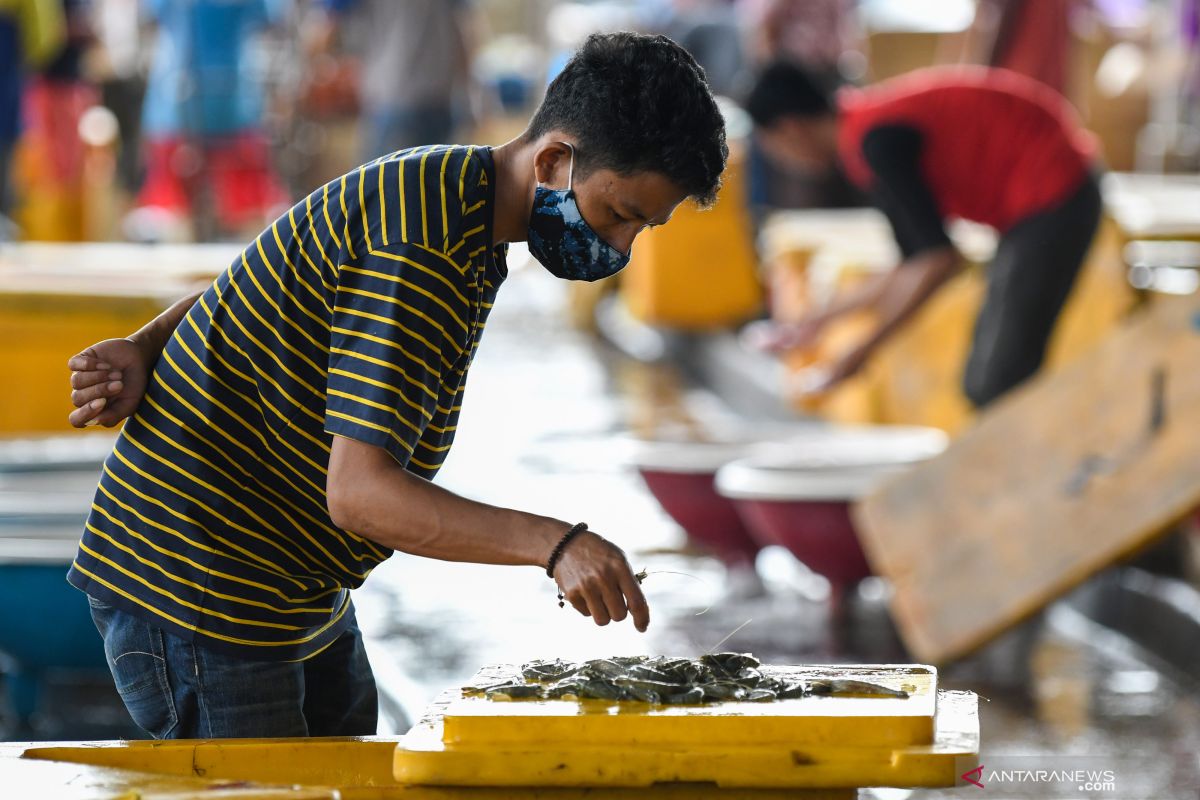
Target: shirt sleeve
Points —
{"points": [[399, 323], [893, 152]]}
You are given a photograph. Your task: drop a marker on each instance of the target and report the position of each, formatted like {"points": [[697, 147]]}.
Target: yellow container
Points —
{"points": [[56, 300], [39, 331], [700, 271]]}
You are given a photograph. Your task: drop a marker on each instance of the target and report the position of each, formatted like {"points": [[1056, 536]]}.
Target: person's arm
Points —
{"points": [[108, 379], [893, 152], [396, 350], [781, 337], [369, 493], [903, 291]]}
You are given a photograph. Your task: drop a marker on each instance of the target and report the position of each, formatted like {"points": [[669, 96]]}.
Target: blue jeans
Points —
{"points": [[175, 689]]}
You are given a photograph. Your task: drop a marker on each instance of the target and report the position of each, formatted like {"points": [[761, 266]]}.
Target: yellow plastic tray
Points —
{"points": [[808, 720], [839, 742]]}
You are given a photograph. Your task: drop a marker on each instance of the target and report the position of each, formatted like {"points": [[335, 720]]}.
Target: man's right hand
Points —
{"points": [[108, 380], [779, 337], [596, 579]]}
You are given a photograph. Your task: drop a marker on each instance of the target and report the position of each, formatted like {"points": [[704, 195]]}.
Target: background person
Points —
{"points": [[988, 146], [416, 67]]}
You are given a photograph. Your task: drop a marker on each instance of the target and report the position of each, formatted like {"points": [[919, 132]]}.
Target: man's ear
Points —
{"points": [[551, 164]]}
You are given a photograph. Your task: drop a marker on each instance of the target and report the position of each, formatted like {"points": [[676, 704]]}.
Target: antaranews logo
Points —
{"points": [[972, 776], [1041, 776]]}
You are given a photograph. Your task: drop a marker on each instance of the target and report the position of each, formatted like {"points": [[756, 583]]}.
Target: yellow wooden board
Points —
{"points": [[425, 758], [814, 720], [1055, 482], [27, 779], [254, 769]]}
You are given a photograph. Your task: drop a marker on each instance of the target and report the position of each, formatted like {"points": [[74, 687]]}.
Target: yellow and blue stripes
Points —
{"points": [[356, 314]]}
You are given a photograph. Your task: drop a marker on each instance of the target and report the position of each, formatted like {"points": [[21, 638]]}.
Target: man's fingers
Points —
{"points": [[576, 600], [82, 379], [80, 397], [85, 415], [614, 602], [595, 603], [636, 602], [86, 361]]}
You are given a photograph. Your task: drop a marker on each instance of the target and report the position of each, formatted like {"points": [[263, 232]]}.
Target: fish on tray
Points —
{"points": [[665, 680]]}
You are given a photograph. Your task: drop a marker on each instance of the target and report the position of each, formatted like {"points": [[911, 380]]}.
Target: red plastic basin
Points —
{"points": [[799, 495], [691, 499], [819, 533]]}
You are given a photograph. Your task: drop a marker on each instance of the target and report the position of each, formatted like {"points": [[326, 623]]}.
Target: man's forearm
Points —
{"points": [[152, 337], [373, 496], [864, 296], [909, 286]]}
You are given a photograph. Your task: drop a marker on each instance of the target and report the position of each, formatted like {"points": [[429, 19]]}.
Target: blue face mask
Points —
{"points": [[563, 242]]}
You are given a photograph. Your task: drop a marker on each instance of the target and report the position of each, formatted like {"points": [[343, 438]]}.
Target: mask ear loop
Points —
{"points": [[570, 166]]}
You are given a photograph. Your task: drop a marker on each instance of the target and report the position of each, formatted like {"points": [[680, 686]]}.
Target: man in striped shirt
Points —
{"points": [[283, 427]]}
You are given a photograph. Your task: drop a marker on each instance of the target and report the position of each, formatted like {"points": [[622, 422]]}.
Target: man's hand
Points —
{"points": [[816, 381], [596, 579], [779, 337], [108, 380]]}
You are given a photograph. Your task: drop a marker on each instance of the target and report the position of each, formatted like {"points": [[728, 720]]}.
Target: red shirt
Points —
{"points": [[995, 146]]}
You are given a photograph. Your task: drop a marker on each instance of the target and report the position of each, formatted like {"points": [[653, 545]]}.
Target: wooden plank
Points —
{"points": [[1058, 480]]}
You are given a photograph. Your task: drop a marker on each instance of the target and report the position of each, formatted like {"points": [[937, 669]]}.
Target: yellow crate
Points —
{"points": [[927, 740], [701, 271]]}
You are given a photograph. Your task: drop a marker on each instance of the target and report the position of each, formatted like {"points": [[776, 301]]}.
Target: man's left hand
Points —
{"points": [[817, 381]]}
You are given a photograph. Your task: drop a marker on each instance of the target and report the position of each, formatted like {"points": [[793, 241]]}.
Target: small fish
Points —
{"points": [[729, 664], [792, 690], [844, 687], [723, 690], [548, 671], [643, 693], [514, 691], [599, 690], [601, 668], [692, 697]]}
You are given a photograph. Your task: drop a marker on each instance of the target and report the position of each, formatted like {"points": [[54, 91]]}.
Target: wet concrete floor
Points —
{"points": [[540, 431]]}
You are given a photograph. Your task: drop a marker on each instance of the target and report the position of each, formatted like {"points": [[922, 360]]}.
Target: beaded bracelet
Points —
{"points": [[555, 554]]}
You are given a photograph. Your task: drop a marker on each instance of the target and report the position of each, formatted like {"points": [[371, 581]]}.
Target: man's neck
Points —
{"points": [[514, 190]]}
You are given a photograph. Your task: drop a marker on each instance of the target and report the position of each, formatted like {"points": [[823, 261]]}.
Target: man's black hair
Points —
{"points": [[638, 103], [784, 89]]}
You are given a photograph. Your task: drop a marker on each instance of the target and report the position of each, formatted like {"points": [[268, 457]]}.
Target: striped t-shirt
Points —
{"points": [[355, 314]]}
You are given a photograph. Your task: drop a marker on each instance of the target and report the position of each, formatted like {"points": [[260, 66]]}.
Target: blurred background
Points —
{"points": [[143, 142], [164, 121]]}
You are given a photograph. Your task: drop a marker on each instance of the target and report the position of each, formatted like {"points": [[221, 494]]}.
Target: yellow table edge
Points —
{"points": [[424, 759]]}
